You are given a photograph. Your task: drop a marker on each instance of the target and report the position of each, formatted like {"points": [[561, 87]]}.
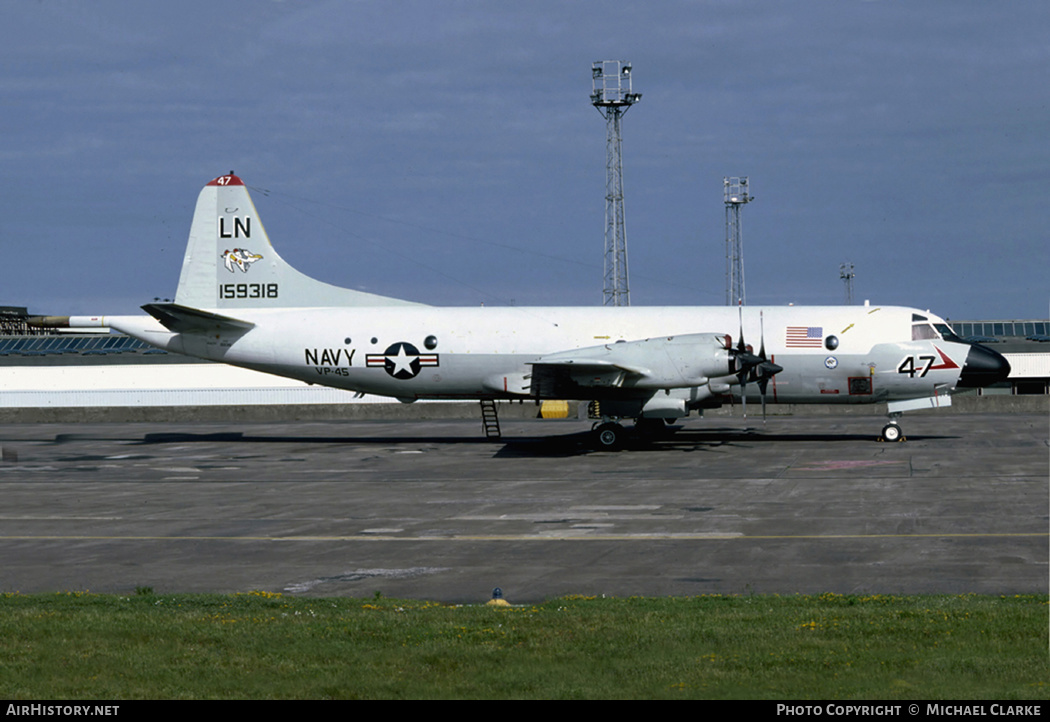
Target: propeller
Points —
{"points": [[754, 368]]}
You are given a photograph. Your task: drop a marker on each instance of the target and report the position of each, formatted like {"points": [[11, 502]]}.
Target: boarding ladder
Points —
{"points": [[489, 418]]}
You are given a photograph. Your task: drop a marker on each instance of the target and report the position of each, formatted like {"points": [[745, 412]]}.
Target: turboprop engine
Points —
{"points": [[664, 362]]}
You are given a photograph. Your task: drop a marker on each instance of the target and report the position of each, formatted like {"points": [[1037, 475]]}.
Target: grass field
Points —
{"points": [[261, 645]]}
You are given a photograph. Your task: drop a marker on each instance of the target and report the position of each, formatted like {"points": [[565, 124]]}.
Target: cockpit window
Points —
{"points": [[946, 333], [923, 332], [916, 317]]}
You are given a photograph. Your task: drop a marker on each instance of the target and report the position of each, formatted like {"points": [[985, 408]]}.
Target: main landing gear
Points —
{"points": [[610, 435]]}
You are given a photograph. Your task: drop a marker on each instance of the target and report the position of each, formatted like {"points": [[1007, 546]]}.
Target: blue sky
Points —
{"points": [[447, 152]]}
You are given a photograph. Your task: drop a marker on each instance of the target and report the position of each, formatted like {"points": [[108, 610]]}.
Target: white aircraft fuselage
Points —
{"points": [[257, 312], [481, 352]]}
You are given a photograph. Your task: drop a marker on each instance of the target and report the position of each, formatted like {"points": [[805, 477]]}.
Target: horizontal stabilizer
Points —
{"points": [[183, 319]]}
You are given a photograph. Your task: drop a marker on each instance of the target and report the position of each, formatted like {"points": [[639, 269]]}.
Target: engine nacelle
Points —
{"points": [[652, 364], [668, 362]]}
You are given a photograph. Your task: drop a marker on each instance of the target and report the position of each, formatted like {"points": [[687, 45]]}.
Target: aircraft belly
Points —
{"points": [[452, 376], [417, 375]]}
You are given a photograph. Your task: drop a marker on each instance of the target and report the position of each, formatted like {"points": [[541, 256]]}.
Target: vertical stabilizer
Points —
{"points": [[230, 263]]}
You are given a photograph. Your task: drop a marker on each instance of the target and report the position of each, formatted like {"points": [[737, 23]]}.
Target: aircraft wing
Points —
{"points": [[183, 319], [649, 364], [557, 376]]}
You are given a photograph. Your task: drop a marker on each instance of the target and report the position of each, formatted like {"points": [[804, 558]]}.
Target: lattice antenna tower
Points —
{"points": [[846, 274], [737, 195], [612, 95]]}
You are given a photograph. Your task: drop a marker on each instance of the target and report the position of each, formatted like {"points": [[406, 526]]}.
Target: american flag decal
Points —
{"points": [[805, 336]]}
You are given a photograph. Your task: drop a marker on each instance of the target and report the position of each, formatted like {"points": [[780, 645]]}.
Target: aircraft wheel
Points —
{"points": [[609, 437], [892, 433]]}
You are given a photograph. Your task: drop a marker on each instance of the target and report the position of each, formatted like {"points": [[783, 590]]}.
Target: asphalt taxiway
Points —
{"points": [[433, 510]]}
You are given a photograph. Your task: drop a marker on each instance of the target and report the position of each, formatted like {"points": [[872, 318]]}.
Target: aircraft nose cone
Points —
{"points": [[983, 367]]}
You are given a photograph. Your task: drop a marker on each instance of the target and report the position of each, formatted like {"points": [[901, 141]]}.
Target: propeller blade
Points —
{"points": [[751, 367], [762, 334]]}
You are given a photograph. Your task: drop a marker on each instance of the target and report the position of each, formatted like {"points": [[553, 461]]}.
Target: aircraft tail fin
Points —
{"points": [[229, 262]]}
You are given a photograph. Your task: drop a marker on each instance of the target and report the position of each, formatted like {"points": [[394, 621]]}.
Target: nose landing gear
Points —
{"points": [[892, 432]]}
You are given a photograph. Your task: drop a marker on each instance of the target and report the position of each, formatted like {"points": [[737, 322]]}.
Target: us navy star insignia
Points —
{"points": [[401, 360]]}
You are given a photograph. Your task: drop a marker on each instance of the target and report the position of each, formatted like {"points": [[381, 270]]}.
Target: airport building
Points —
{"points": [[56, 368], [1024, 343]]}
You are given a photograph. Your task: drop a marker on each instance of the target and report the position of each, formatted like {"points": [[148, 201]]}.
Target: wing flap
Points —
{"points": [[587, 373], [577, 370]]}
